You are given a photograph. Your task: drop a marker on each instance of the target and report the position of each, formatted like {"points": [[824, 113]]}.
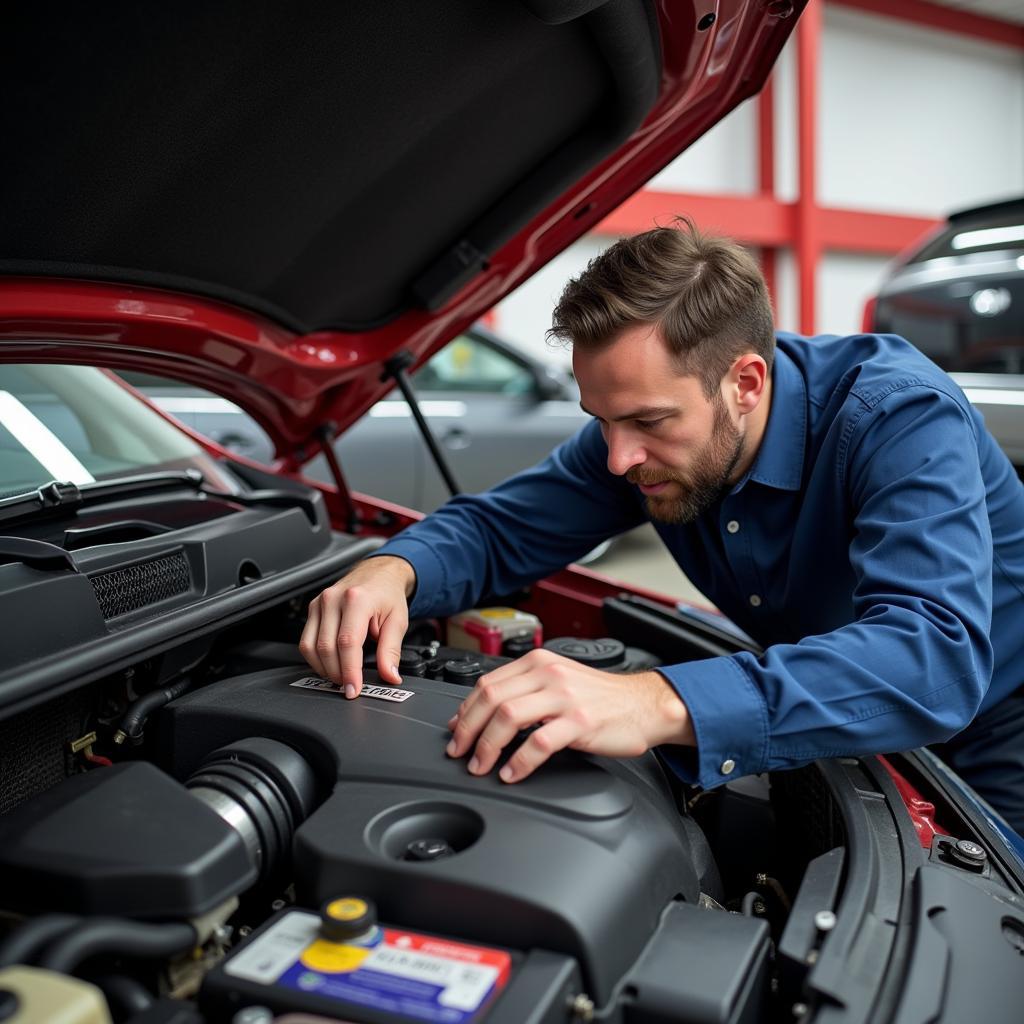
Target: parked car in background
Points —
{"points": [[959, 297], [493, 409]]}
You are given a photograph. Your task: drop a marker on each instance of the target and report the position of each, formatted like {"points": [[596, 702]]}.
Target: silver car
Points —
{"points": [[494, 411]]}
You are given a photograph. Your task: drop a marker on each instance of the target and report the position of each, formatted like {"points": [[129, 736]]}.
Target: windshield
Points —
{"points": [[77, 424]]}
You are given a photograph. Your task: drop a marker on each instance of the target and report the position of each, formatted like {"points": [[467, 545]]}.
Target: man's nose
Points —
{"points": [[623, 453]]}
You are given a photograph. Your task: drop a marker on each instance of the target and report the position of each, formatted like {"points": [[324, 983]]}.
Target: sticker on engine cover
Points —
{"points": [[377, 692], [415, 977]]}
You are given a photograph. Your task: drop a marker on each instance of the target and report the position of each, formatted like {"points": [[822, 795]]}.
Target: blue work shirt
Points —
{"points": [[875, 549]]}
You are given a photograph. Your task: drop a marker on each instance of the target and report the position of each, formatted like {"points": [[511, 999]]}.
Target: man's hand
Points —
{"points": [[372, 599], [580, 708]]}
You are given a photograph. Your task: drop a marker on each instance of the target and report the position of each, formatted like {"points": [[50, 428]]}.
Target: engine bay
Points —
{"points": [[194, 828]]}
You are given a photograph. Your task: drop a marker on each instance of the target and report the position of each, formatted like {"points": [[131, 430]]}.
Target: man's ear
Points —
{"points": [[747, 381]]}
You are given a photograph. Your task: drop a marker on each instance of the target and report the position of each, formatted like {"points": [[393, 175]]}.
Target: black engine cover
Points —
{"points": [[581, 858]]}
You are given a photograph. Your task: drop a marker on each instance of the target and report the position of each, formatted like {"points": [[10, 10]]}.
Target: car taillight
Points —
{"points": [[868, 319]]}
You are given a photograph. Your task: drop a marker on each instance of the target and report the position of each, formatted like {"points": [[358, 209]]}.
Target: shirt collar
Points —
{"points": [[780, 459]]}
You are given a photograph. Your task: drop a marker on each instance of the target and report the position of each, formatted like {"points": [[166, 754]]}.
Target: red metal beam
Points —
{"points": [[766, 175], [766, 139], [767, 222], [860, 231], [756, 220], [808, 233], [947, 19]]}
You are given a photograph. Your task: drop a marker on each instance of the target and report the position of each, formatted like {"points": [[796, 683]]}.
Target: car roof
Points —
{"points": [[994, 227]]}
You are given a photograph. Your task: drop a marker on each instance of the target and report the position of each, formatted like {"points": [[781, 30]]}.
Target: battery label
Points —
{"points": [[417, 977], [378, 692]]}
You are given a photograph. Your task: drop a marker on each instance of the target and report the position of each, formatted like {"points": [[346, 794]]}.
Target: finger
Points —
{"points": [[389, 645], [307, 642], [481, 704], [555, 735], [527, 663], [521, 666], [506, 722], [327, 637], [353, 624]]}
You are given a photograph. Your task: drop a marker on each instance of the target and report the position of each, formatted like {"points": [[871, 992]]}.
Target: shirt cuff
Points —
{"points": [[730, 722], [431, 575]]}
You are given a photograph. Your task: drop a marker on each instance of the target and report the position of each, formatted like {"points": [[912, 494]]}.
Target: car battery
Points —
{"points": [[343, 965], [495, 631]]}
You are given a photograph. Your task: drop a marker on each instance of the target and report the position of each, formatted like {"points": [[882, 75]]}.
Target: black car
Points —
{"points": [[959, 297]]}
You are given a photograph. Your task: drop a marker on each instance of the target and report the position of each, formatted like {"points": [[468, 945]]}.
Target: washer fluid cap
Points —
{"points": [[412, 662], [462, 671], [602, 653], [346, 917]]}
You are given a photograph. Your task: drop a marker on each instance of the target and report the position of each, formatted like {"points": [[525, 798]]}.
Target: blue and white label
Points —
{"points": [[416, 977]]}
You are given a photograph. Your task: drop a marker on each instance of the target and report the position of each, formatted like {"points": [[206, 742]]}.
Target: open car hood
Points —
{"points": [[272, 200]]}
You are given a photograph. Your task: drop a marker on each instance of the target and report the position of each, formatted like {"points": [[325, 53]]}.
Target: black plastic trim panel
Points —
{"points": [[854, 957], [91, 658]]}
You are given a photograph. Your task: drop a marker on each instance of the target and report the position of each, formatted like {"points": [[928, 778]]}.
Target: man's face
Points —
{"points": [[663, 434]]}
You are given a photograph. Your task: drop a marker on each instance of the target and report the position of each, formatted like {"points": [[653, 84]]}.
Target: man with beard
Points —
{"points": [[838, 498]]}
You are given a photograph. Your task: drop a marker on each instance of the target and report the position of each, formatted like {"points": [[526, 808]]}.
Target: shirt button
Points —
{"points": [[755, 600], [728, 765], [732, 526]]}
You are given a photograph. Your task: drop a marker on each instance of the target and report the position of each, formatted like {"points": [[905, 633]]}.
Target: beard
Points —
{"points": [[704, 483]]}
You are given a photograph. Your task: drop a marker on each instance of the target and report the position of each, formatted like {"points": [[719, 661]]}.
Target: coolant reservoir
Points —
{"points": [[36, 995], [488, 630]]}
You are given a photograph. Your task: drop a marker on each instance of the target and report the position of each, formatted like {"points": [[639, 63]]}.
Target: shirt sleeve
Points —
{"points": [[914, 665], [518, 532]]}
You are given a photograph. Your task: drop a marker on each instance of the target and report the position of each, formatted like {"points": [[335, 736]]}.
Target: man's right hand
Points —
{"points": [[373, 599]]}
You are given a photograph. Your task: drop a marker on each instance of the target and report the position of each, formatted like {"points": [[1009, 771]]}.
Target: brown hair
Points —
{"points": [[706, 294]]}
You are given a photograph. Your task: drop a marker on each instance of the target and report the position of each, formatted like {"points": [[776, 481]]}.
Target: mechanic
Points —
{"points": [[837, 497]]}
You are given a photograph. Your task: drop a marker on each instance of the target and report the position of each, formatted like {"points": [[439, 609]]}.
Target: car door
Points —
{"points": [[493, 412], [379, 455]]}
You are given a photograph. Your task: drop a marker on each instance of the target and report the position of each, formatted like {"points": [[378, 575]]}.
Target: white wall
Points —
{"points": [[916, 120], [723, 160], [911, 120]]}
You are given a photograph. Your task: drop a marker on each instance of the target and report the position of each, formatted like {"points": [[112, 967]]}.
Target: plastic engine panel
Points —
{"points": [[580, 859]]}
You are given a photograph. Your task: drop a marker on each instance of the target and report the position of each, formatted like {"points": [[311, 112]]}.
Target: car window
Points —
{"points": [[77, 424], [466, 364], [999, 228]]}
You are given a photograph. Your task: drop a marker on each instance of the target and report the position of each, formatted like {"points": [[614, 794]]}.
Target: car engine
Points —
{"points": [[197, 829]]}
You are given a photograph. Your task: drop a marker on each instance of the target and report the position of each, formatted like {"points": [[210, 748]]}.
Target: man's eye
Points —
{"points": [[649, 424]]}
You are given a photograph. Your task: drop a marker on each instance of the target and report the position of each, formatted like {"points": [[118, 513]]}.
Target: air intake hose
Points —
{"points": [[264, 790]]}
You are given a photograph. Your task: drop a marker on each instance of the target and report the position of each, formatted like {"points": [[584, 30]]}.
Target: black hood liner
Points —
{"points": [[329, 164]]}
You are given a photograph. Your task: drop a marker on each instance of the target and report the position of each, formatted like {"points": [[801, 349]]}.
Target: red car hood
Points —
{"points": [[272, 202]]}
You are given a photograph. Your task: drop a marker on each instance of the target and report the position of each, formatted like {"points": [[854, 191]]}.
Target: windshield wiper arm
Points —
{"points": [[66, 497]]}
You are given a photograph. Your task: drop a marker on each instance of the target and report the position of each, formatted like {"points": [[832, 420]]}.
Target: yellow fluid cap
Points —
{"points": [[345, 917], [348, 908], [498, 613]]}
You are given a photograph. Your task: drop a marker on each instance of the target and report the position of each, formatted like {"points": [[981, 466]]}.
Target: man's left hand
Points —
{"points": [[577, 707]]}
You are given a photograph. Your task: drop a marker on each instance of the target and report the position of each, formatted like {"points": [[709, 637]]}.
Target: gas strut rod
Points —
{"points": [[348, 506], [396, 367]]}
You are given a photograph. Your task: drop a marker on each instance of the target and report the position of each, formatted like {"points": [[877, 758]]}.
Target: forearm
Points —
{"points": [[394, 565], [520, 531], [668, 717], [864, 688]]}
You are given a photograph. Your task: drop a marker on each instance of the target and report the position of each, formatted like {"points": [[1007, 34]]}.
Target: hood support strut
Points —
{"points": [[326, 435], [396, 368]]}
